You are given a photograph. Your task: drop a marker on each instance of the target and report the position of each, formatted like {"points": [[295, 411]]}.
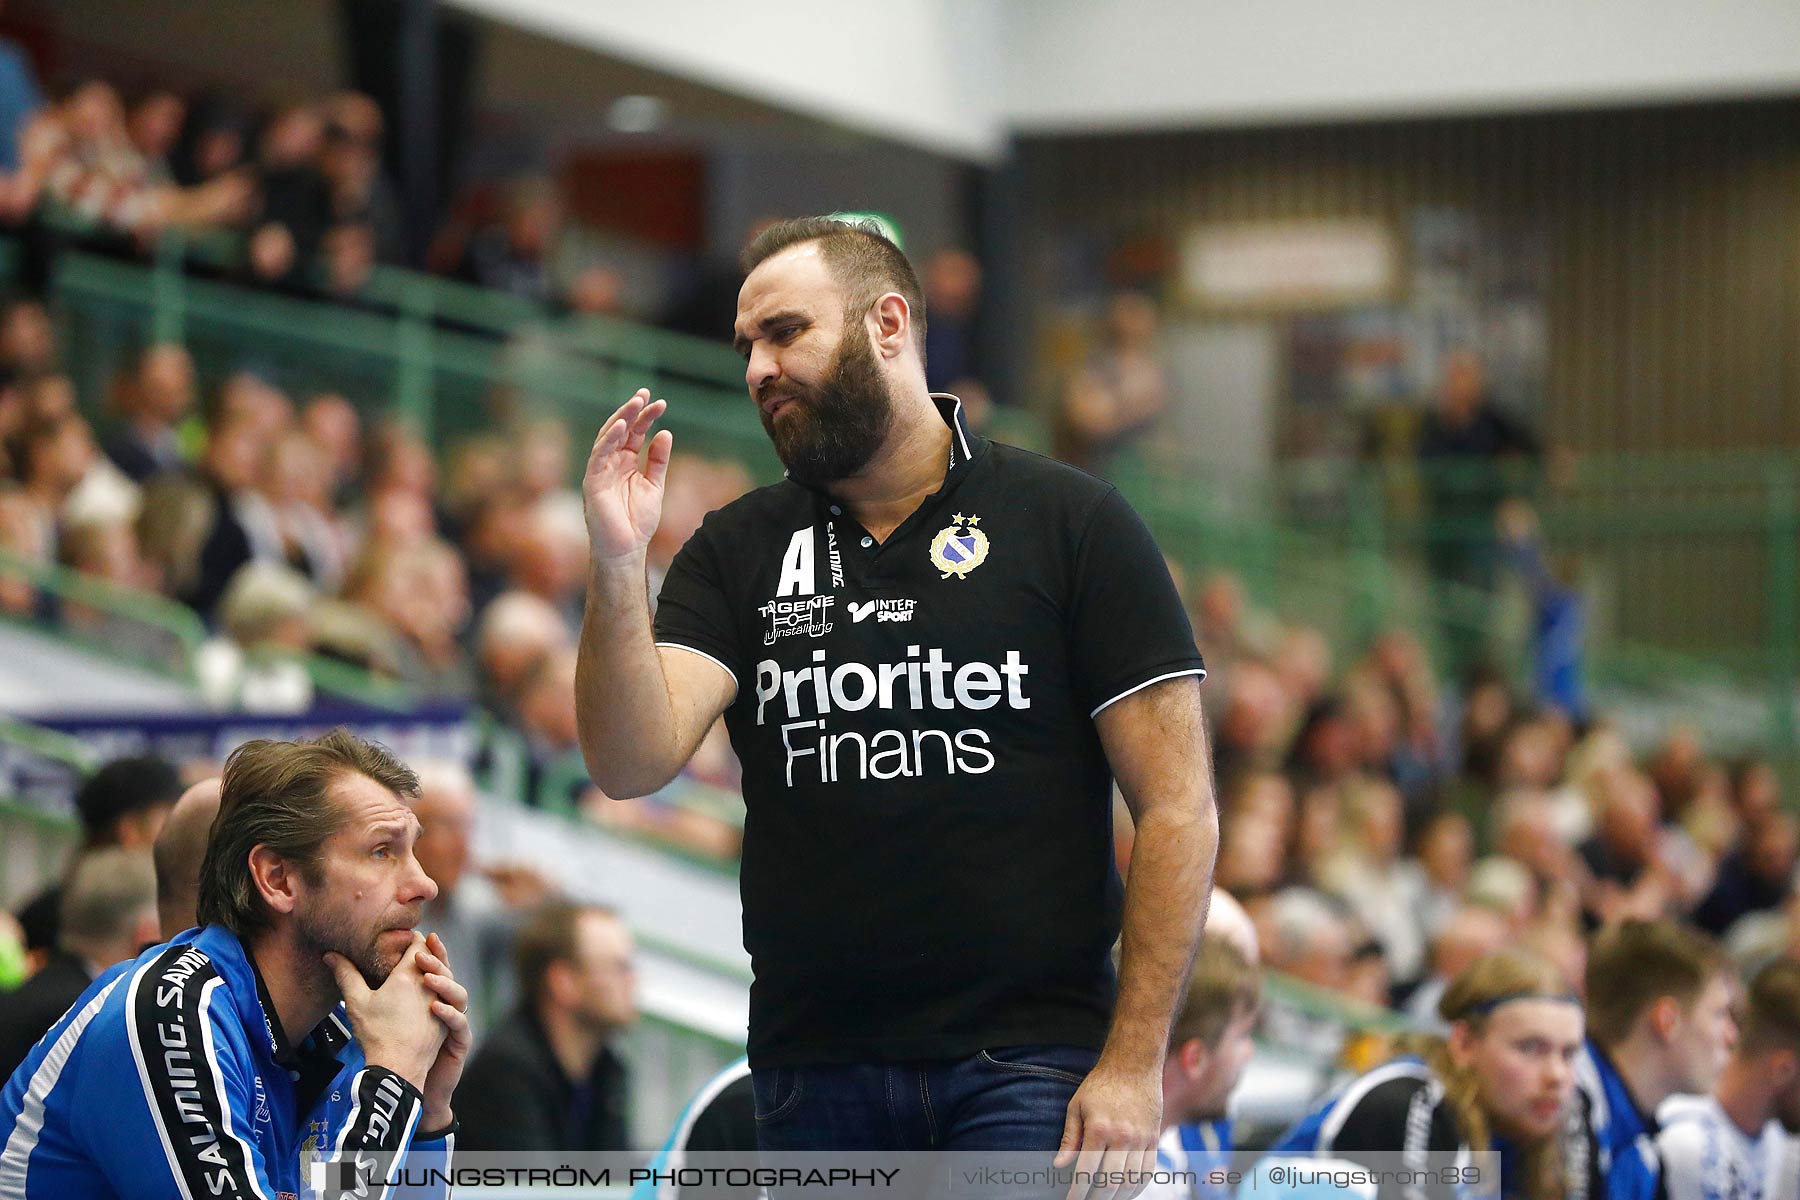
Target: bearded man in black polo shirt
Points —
{"points": [[934, 655]]}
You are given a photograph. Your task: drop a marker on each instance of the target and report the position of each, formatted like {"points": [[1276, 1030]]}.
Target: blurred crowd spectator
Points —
{"points": [[1472, 455], [107, 912], [294, 198], [121, 806], [549, 1077], [1112, 400]]}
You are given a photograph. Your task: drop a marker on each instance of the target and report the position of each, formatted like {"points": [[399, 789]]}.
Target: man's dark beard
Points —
{"points": [[319, 933], [832, 432]]}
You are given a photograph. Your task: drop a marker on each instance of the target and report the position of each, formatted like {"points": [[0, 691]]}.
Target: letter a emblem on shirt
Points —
{"points": [[959, 547], [797, 566]]}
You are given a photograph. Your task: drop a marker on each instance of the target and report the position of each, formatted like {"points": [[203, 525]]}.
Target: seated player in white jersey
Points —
{"points": [[1738, 1142]]}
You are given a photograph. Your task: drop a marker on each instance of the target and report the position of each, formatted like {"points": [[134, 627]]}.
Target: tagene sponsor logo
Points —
{"points": [[883, 610], [790, 618]]}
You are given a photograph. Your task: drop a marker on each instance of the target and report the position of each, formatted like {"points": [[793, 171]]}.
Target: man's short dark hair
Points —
{"points": [[123, 788], [865, 264], [278, 795], [549, 937], [1636, 963], [1772, 1011]]}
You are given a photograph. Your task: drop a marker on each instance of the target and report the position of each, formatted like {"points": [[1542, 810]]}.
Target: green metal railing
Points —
{"points": [[450, 359], [1320, 1004], [46, 744], [125, 624], [33, 842], [152, 632], [159, 635]]}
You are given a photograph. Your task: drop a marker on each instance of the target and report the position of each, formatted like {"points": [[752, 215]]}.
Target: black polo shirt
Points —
{"points": [[928, 865]]}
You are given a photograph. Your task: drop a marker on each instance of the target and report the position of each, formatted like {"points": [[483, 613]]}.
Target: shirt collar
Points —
{"points": [[327, 1038], [966, 446], [1613, 1081]]}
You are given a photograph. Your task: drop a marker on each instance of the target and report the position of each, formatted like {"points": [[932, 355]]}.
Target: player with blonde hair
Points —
{"points": [[1501, 1080]]}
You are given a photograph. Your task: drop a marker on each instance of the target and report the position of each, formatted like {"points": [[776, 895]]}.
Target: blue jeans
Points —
{"points": [[1008, 1098]]}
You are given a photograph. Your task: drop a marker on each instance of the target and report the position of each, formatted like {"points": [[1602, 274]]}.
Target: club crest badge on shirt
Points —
{"points": [[313, 1148], [959, 547]]}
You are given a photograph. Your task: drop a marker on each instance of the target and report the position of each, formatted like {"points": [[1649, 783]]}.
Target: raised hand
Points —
{"points": [[624, 502], [450, 1005], [395, 1023]]}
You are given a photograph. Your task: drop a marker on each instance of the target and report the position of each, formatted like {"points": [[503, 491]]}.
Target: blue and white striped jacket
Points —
{"points": [[170, 1077], [1621, 1140]]}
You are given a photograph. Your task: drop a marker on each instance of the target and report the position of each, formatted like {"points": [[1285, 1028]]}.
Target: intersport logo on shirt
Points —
{"points": [[882, 610], [923, 681]]}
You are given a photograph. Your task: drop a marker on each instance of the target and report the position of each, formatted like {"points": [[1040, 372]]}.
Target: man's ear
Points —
{"points": [[275, 879], [892, 324], [1664, 1016], [560, 984], [1194, 1058]]}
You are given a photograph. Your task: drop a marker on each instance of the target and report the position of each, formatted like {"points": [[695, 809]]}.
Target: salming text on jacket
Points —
{"points": [[170, 1077]]}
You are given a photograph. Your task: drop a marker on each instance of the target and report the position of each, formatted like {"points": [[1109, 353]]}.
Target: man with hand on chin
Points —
{"points": [[934, 655], [306, 1018]]}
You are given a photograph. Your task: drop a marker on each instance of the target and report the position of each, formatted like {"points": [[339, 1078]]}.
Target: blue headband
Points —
{"points": [[1489, 1006]]}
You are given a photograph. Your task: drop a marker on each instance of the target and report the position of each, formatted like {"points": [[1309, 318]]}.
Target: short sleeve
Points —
{"points": [[1127, 628], [693, 612], [1383, 1128], [1382, 1120], [1683, 1151]]}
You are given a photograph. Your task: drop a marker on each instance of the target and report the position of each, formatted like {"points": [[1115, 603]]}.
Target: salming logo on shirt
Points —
{"points": [[168, 1029]]}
